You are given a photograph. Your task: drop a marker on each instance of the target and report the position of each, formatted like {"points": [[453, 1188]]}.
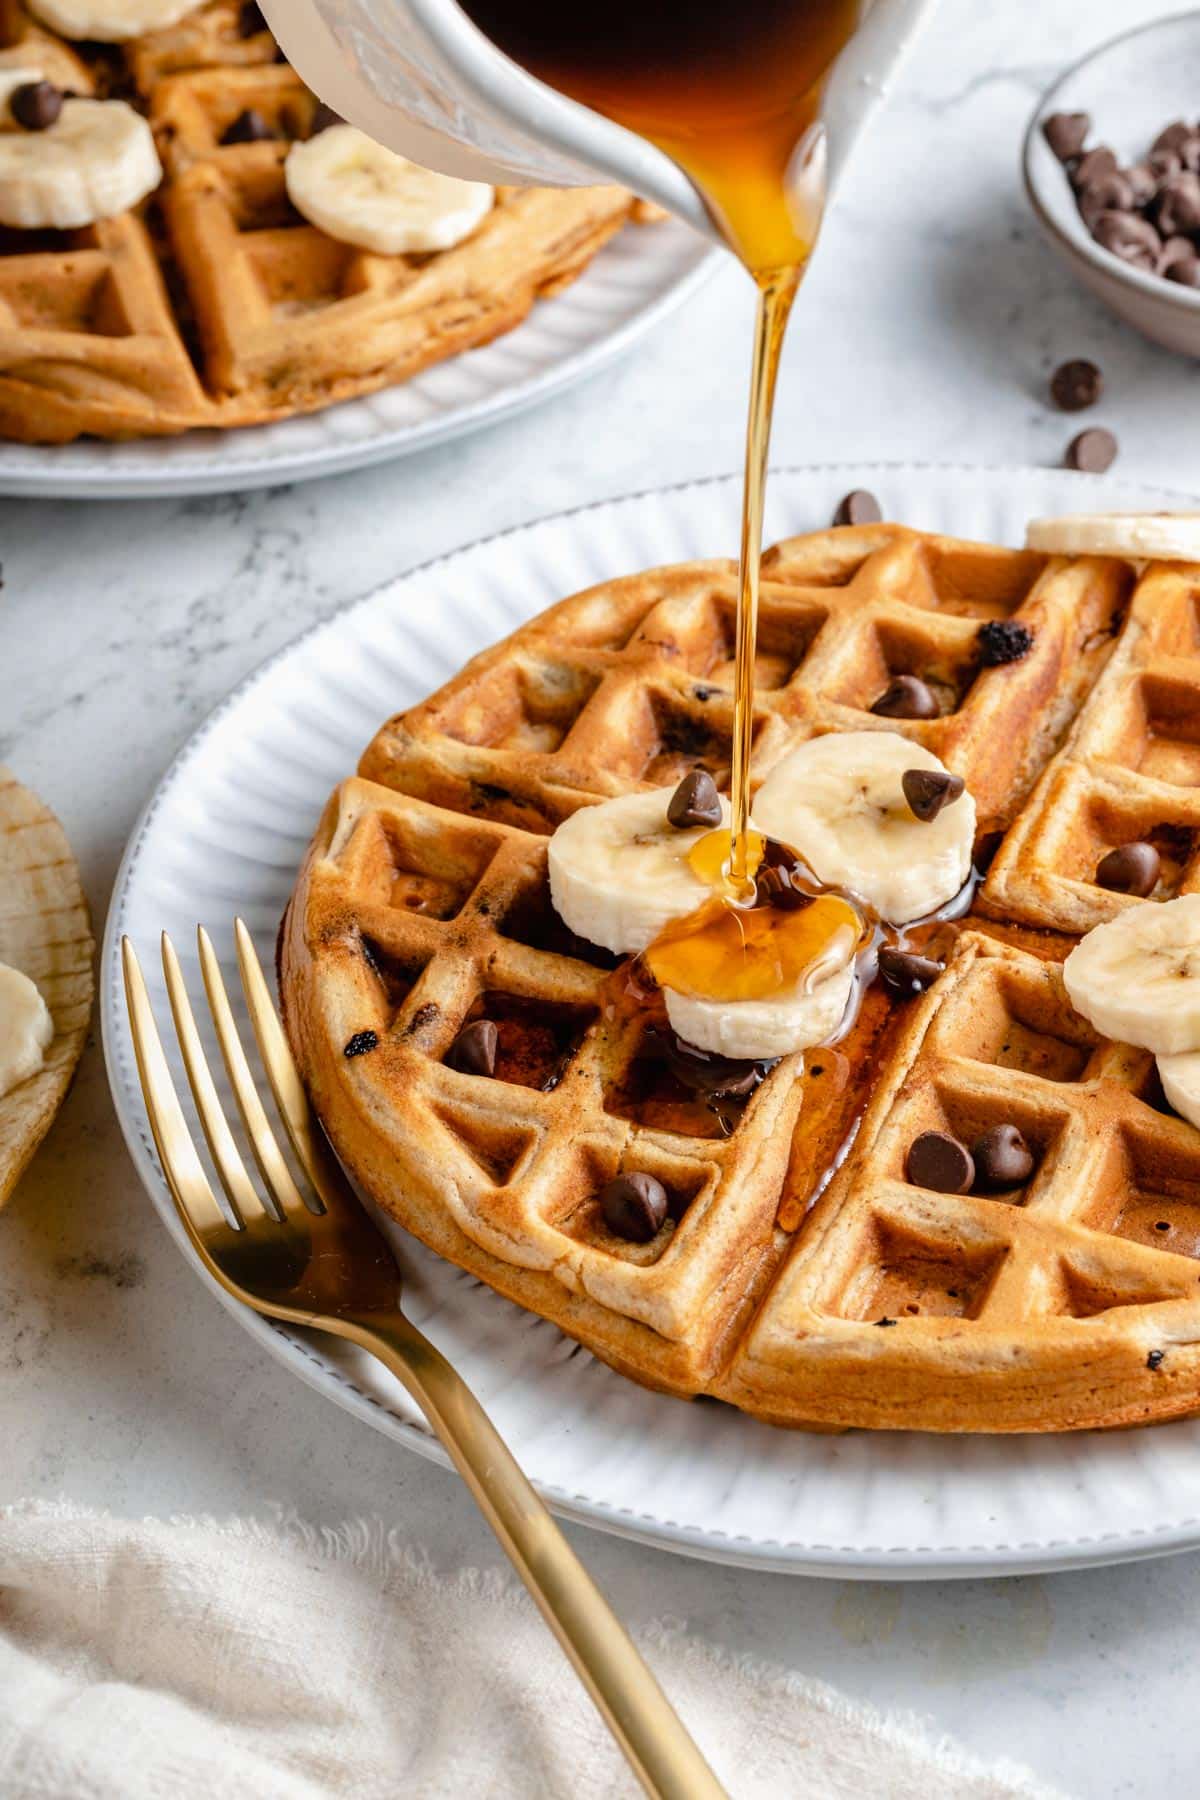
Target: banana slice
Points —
{"points": [[97, 160], [619, 871], [26, 1029], [1137, 978], [1144, 537], [1180, 1077], [109, 21], [838, 800], [352, 188], [760, 1030]]}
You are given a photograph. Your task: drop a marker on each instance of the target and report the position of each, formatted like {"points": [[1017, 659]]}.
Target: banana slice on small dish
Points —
{"points": [[1143, 537], [840, 802], [1137, 977], [109, 21], [96, 160], [619, 871], [355, 190]]}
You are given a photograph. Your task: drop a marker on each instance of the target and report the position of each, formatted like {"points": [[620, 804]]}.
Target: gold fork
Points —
{"points": [[334, 1271]]}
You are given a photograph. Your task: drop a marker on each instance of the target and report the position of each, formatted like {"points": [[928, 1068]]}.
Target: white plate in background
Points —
{"points": [[225, 832], [640, 276]]}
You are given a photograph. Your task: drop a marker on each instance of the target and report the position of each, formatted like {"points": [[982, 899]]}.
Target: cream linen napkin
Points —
{"points": [[159, 1660]]}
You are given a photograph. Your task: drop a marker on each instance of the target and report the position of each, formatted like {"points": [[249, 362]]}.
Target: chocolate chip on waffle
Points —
{"points": [[214, 303]]}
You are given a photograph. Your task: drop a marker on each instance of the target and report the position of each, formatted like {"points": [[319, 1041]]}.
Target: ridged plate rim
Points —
{"points": [[891, 1489]]}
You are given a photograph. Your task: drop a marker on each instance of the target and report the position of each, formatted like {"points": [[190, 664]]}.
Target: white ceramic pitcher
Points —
{"points": [[422, 79]]}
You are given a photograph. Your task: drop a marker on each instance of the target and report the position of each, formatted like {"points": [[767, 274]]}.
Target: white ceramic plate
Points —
{"points": [[224, 834], [634, 283]]}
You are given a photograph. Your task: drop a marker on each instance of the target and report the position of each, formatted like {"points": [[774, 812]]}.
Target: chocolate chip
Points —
{"points": [[1185, 271], [938, 1161], [1002, 1159], [248, 128], [1143, 183], [1177, 209], [904, 973], [323, 118], [906, 697], [1155, 1359], [473, 1051], [722, 1077], [1003, 640], [775, 886], [859, 507], [1066, 134], [1165, 163], [1175, 249], [1129, 237], [36, 105], [1111, 193], [1175, 136], [1093, 451], [1130, 869], [1074, 385], [251, 20], [927, 791], [634, 1207], [361, 1042], [695, 802], [1097, 162]]}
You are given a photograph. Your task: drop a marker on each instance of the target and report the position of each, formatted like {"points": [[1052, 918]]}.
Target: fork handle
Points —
{"points": [[650, 1733]]}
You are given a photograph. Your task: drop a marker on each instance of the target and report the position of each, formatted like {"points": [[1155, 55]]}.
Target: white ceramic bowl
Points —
{"points": [[1132, 87]]}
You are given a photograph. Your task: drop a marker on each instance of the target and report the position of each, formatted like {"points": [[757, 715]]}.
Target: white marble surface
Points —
{"points": [[927, 330]]}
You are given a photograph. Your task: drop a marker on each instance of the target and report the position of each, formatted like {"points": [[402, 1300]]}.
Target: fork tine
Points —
{"points": [[308, 1140], [227, 1158], [194, 1199], [263, 1141]]}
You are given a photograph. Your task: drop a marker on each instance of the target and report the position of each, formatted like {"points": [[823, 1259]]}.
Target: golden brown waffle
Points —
{"points": [[804, 1282], [215, 303]]}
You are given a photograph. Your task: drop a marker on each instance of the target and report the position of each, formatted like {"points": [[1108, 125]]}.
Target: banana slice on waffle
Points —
{"points": [[1137, 978], [363, 194], [841, 801], [110, 21], [82, 161]]}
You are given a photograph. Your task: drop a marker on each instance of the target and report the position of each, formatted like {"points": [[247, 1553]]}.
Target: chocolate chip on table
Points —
{"points": [[1130, 869], [695, 802], [251, 20], [939, 1162], [859, 507], [634, 1207], [905, 974], [473, 1051], [1130, 237], [1066, 134], [1093, 451], [36, 105], [1076, 384], [1003, 641], [248, 128], [1002, 1159], [927, 791], [361, 1042], [907, 697]]}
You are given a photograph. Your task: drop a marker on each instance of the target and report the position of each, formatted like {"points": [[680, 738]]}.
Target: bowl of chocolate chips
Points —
{"points": [[1112, 168]]}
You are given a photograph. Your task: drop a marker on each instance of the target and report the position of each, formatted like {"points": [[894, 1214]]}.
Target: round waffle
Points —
{"points": [[214, 303], [801, 1275]]}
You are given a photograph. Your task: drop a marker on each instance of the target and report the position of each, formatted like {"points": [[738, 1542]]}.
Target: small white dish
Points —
{"points": [[1132, 87], [225, 832]]}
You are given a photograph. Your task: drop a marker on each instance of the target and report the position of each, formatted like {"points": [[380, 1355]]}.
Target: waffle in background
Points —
{"points": [[804, 1292], [215, 303]]}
